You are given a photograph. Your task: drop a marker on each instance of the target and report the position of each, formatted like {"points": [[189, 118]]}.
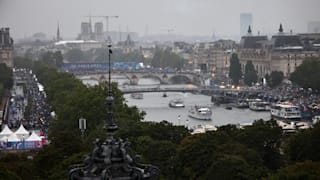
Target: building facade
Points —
{"points": [[6, 47], [284, 52]]}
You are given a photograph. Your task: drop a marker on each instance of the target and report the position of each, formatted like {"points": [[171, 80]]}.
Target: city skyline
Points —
{"points": [[183, 17]]}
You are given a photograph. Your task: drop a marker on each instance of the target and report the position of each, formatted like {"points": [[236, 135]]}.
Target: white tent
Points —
{"points": [[13, 138], [4, 139], [22, 132], [33, 137], [6, 131]]}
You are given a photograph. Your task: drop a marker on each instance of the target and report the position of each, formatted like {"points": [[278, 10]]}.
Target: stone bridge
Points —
{"points": [[134, 77]]}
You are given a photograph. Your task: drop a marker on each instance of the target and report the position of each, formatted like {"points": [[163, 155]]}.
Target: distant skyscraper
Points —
{"points": [[245, 22], [314, 27]]}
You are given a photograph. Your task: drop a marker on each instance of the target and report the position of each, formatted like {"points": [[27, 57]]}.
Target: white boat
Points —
{"points": [[203, 129], [137, 95], [200, 112], [242, 103], [315, 119], [259, 105], [285, 111], [176, 103]]}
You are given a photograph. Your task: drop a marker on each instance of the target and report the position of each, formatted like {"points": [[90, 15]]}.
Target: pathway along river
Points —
{"points": [[157, 109]]}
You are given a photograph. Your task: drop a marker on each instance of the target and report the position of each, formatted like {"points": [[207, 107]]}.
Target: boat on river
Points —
{"points": [[176, 103], [259, 105], [285, 111], [201, 112], [137, 96], [164, 94], [242, 103]]}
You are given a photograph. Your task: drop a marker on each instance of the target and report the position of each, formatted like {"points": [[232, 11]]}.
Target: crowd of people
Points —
{"points": [[28, 103], [307, 99]]}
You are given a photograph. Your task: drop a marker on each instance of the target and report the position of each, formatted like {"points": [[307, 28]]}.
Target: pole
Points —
{"points": [[82, 126], [187, 123]]}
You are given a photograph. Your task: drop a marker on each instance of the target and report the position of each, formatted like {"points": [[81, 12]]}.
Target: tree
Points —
{"points": [[22, 62], [276, 78], [165, 58], [52, 59], [235, 69], [5, 76], [300, 170], [250, 75], [308, 73], [76, 55], [304, 145], [267, 139]]}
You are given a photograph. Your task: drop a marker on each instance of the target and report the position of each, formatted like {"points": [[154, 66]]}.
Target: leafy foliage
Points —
{"points": [[100, 55], [300, 170], [165, 58], [305, 145], [235, 69], [250, 75], [308, 73], [276, 77], [6, 76], [76, 55]]}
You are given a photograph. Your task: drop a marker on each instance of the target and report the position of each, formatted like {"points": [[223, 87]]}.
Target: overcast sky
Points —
{"points": [[187, 17]]}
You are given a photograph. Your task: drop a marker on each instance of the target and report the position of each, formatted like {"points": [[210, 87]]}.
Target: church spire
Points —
{"points": [[249, 30], [280, 28], [58, 32]]}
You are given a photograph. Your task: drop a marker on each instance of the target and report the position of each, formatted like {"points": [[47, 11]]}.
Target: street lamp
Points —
{"points": [[82, 125], [187, 123]]}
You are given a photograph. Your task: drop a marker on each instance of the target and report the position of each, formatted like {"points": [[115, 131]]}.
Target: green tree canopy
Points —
{"points": [[305, 145], [250, 75], [308, 73], [276, 77], [300, 170], [5, 76], [54, 59], [76, 55], [235, 69], [165, 58]]}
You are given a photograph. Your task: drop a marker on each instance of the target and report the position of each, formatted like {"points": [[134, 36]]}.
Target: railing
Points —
{"points": [[158, 89]]}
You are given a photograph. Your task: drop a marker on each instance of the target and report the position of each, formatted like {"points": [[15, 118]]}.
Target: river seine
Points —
{"points": [[157, 109]]}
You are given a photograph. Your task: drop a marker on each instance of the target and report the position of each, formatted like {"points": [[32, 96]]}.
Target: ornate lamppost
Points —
{"points": [[110, 159]]}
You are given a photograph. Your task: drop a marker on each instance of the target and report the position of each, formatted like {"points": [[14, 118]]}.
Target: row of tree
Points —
{"points": [[250, 76], [254, 152], [305, 75], [165, 58], [6, 80], [100, 55], [308, 73]]}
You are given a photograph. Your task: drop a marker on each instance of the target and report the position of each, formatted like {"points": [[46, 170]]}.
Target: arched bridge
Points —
{"points": [[134, 77], [150, 88]]}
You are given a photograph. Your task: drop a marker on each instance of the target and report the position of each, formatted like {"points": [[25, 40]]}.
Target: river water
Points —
{"points": [[157, 109]]}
